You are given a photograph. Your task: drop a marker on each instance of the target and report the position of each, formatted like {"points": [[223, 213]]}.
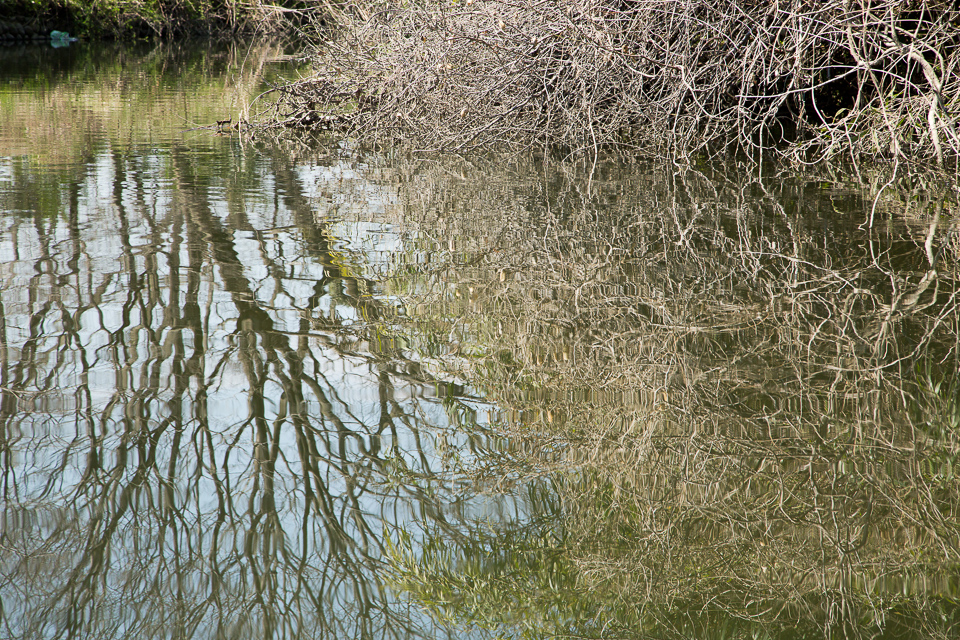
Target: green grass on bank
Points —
{"points": [[126, 19]]}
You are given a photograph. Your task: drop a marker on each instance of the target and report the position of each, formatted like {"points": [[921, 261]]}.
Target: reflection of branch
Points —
{"points": [[329, 441], [732, 394], [143, 483]]}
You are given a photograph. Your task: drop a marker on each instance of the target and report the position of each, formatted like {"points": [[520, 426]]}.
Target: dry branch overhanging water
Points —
{"points": [[811, 79]]}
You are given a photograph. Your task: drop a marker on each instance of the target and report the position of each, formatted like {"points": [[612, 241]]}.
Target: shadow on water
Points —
{"points": [[249, 390]]}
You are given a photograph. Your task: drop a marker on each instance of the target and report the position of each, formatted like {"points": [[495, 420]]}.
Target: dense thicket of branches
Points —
{"points": [[869, 78]]}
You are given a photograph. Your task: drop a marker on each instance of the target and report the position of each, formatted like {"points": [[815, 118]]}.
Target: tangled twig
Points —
{"points": [[868, 79]]}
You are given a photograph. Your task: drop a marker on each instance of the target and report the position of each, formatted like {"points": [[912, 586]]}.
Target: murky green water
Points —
{"points": [[263, 388]]}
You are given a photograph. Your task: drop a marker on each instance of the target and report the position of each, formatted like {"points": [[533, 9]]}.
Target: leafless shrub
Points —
{"points": [[868, 79]]}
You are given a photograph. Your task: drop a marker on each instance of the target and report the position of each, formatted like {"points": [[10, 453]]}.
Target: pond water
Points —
{"points": [[278, 387]]}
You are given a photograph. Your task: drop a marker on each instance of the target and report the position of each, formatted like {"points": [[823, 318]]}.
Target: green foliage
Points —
{"points": [[152, 18], [493, 579]]}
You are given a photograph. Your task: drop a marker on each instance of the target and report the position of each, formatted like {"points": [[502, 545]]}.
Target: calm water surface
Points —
{"points": [[280, 388]]}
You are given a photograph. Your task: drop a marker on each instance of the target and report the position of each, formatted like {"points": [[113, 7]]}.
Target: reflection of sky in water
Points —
{"points": [[354, 196], [103, 429]]}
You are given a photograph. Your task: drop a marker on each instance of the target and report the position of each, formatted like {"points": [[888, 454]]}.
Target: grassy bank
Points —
{"points": [[805, 79], [127, 19]]}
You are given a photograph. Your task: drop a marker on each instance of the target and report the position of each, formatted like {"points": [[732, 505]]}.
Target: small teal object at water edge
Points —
{"points": [[60, 39]]}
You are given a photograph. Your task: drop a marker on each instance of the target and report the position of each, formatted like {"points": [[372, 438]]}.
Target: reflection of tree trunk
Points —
{"points": [[263, 351], [265, 525], [8, 409], [145, 452]]}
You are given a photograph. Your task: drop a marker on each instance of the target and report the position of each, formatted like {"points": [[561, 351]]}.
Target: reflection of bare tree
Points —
{"points": [[722, 400], [180, 456]]}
